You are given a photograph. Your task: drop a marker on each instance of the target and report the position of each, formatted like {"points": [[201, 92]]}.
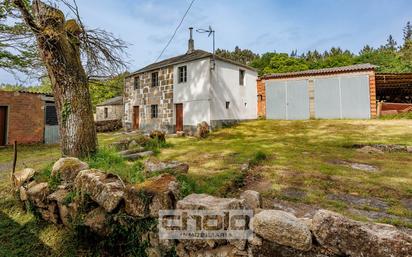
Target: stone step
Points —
{"points": [[136, 156]]}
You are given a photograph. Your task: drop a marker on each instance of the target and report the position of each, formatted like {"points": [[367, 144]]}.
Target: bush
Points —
{"points": [[258, 158], [158, 135]]}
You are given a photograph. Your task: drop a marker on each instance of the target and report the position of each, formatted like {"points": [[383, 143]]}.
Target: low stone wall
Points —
{"points": [[108, 125], [102, 202]]}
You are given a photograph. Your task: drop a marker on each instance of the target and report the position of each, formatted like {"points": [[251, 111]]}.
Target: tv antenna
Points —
{"points": [[210, 32]]}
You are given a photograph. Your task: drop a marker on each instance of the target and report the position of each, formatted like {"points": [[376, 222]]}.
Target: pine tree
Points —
{"points": [[407, 32], [390, 43]]}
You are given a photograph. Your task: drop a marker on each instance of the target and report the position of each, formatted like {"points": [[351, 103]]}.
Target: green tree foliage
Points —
{"points": [[103, 90], [244, 56], [389, 57]]}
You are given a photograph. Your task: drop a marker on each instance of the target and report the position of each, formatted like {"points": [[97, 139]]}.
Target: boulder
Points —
{"points": [[208, 202], [282, 228], [147, 198], [105, 189], [23, 193], [37, 194], [96, 220], [252, 199], [153, 165], [160, 136], [138, 149], [136, 156], [180, 134], [67, 168], [347, 237], [370, 150], [202, 130], [23, 176], [121, 145], [221, 251], [409, 149], [50, 213]]}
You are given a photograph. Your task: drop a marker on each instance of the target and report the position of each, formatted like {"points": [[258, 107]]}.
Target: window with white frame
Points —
{"points": [[182, 74]]}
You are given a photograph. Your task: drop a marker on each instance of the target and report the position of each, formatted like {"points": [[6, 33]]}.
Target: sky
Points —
{"points": [[258, 25]]}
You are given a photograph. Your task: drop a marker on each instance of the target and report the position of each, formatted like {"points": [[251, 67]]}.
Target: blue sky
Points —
{"points": [[259, 25]]}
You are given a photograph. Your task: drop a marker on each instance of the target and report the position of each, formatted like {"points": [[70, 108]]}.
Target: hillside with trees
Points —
{"points": [[390, 57]]}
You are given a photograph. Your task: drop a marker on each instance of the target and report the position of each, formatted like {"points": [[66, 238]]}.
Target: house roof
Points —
{"points": [[195, 55], [28, 92], [343, 69], [118, 100]]}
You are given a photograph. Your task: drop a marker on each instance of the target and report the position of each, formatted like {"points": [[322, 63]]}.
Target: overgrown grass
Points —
{"points": [[399, 116]]}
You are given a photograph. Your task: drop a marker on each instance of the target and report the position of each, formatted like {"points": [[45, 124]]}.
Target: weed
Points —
{"points": [[258, 158], [54, 182]]}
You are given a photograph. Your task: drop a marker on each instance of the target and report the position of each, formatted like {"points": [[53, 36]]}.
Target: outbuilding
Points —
{"points": [[334, 93], [111, 109], [27, 118]]}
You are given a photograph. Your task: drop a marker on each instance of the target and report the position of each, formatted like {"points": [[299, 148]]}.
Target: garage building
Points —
{"points": [[334, 93]]}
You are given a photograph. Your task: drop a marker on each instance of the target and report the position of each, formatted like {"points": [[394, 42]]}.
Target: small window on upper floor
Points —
{"points": [[182, 74], [136, 82], [242, 77], [106, 112], [227, 105], [154, 111], [155, 79]]}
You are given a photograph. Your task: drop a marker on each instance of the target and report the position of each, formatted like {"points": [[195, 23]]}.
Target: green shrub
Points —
{"points": [[399, 116], [258, 158], [187, 185]]}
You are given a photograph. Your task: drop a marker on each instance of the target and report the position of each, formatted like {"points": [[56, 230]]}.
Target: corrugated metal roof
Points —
{"points": [[343, 69], [118, 100], [195, 55]]}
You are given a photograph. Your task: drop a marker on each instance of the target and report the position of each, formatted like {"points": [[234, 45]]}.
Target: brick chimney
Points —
{"points": [[191, 45]]}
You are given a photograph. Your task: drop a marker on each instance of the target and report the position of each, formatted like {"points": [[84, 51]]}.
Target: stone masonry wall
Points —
{"points": [[145, 96], [25, 117]]}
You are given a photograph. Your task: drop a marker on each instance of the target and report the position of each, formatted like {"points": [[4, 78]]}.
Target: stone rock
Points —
{"points": [[207, 202], [409, 149], [136, 156], [67, 168], [23, 176], [244, 167], [252, 199], [202, 130], [282, 228], [68, 212], [132, 151], [180, 134], [105, 189], [50, 213], [255, 240], [347, 237], [58, 195], [369, 150], [153, 252], [96, 221], [121, 145], [153, 165], [23, 193], [37, 194], [147, 198], [160, 136]]}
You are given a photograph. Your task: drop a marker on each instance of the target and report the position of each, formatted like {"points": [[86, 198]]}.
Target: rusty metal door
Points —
{"points": [[3, 124], [135, 117], [179, 117]]}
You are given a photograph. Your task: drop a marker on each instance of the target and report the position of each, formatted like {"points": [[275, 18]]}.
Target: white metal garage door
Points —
{"points": [[287, 100], [342, 97]]}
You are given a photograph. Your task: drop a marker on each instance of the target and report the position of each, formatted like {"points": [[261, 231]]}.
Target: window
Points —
{"points": [[242, 77], [155, 79], [154, 111], [136, 82], [51, 115], [182, 74], [106, 112], [227, 105]]}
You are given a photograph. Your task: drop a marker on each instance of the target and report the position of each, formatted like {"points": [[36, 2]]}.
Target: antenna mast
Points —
{"points": [[210, 32]]}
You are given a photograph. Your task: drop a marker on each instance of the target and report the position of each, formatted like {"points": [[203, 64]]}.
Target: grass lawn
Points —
{"points": [[306, 164]]}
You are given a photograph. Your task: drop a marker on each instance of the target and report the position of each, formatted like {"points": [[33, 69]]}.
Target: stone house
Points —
{"points": [[111, 109], [178, 93], [27, 118]]}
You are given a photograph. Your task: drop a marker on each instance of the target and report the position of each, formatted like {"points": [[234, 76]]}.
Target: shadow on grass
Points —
{"points": [[20, 240]]}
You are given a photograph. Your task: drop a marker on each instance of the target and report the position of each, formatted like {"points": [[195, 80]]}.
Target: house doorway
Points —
{"points": [[135, 117], [179, 117], [3, 125]]}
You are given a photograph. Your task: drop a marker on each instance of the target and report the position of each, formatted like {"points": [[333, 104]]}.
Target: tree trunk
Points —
{"points": [[59, 47]]}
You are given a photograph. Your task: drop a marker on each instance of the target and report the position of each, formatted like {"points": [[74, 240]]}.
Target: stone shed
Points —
{"points": [[111, 109], [27, 118]]}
